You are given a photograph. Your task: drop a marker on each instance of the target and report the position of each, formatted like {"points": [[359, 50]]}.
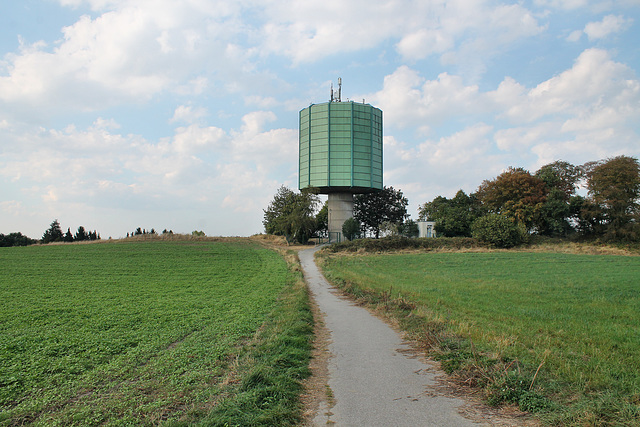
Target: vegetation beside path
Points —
{"points": [[553, 329], [173, 332]]}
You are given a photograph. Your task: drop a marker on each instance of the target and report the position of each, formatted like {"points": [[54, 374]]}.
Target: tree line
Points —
{"points": [[503, 211], [143, 231], [520, 203], [54, 234], [296, 216], [15, 239]]}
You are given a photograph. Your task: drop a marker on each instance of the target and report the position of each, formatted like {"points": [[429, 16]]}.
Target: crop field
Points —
{"points": [[139, 333], [564, 328]]}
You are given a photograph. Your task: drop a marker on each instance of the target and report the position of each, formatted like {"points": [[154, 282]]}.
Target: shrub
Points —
{"points": [[351, 229], [394, 243], [498, 230]]}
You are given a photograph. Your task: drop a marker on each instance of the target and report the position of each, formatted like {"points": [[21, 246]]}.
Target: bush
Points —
{"points": [[394, 243], [351, 229], [498, 230]]}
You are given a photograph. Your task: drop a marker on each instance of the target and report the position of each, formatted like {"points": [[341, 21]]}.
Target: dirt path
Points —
{"points": [[374, 377]]}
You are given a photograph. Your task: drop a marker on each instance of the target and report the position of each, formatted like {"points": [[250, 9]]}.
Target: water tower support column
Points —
{"points": [[340, 209]]}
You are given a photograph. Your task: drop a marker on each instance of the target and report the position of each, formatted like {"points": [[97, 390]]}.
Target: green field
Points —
{"points": [[579, 314], [132, 333]]}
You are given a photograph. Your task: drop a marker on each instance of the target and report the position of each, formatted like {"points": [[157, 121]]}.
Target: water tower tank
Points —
{"points": [[340, 154], [341, 147]]}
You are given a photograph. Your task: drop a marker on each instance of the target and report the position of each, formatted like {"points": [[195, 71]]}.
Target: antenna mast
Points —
{"points": [[337, 96]]}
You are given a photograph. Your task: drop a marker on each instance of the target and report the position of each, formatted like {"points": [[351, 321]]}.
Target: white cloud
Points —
{"points": [[248, 189], [596, 98], [593, 78], [265, 148], [195, 139], [594, 6], [520, 139], [129, 53], [424, 42], [610, 24], [196, 86], [575, 36], [134, 50], [583, 113], [310, 30], [105, 124], [460, 149], [401, 98], [407, 99], [260, 101], [565, 4], [188, 114], [423, 172], [94, 4], [468, 35]]}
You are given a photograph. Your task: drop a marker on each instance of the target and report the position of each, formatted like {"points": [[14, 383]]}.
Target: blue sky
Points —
{"points": [[118, 114]]}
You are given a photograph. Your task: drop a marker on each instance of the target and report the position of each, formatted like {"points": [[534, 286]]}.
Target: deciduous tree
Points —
{"points": [[562, 176], [516, 194], [614, 191], [322, 221], [559, 212], [372, 209], [453, 217], [291, 214], [15, 239]]}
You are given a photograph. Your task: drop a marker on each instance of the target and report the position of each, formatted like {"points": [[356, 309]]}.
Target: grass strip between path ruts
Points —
{"points": [[147, 333], [557, 334]]}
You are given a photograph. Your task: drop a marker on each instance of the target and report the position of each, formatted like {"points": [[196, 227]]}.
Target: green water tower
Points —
{"points": [[340, 154]]}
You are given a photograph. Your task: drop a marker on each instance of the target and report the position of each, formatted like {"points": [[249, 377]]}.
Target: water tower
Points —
{"points": [[340, 154]]}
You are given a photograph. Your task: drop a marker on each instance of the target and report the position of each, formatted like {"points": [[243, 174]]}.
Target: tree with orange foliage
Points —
{"points": [[516, 194]]}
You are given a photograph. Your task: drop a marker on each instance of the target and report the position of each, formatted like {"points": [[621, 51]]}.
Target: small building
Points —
{"points": [[426, 228]]}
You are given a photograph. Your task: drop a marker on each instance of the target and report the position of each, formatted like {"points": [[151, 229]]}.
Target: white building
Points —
{"points": [[426, 229]]}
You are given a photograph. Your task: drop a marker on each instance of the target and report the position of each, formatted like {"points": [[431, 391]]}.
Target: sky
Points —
{"points": [[118, 114]]}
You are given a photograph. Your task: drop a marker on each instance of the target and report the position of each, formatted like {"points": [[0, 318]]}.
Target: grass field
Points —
{"points": [[503, 315], [137, 333]]}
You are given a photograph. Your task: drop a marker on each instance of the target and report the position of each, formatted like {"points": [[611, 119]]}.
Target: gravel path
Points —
{"points": [[374, 379]]}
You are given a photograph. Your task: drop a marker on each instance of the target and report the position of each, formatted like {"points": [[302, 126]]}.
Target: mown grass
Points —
{"points": [[142, 333], [556, 333]]}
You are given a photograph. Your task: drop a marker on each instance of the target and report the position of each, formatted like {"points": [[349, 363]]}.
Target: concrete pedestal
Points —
{"points": [[340, 209]]}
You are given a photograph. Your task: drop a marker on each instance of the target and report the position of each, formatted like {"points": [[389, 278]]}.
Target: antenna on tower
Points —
{"points": [[337, 96]]}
